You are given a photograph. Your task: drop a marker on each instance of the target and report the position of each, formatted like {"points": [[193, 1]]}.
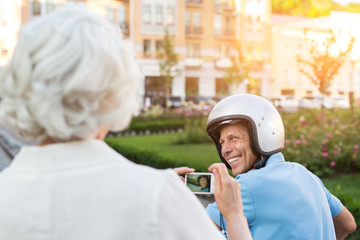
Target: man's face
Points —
{"points": [[203, 182], [235, 148]]}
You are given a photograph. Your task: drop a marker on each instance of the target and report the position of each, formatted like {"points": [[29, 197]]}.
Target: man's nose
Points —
{"points": [[226, 149]]}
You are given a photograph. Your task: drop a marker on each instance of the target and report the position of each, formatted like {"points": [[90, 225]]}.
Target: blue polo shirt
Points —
{"points": [[284, 200]]}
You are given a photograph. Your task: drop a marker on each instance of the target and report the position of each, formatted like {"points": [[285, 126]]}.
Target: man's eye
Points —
{"points": [[235, 138]]}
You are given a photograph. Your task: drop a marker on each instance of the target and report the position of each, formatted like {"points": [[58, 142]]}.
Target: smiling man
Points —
{"points": [[282, 200]]}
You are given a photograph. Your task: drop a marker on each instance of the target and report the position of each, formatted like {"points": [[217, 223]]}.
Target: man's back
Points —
{"points": [[284, 200]]}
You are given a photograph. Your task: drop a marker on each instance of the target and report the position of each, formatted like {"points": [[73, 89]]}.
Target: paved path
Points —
{"points": [[9, 147], [5, 159]]}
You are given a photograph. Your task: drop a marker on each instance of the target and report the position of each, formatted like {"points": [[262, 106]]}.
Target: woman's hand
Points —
{"points": [[182, 171]]}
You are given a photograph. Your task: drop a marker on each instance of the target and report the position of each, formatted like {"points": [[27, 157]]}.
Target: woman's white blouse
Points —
{"points": [[86, 190]]}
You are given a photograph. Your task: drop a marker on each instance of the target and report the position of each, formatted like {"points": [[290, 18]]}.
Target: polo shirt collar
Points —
{"points": [[275, 158]]}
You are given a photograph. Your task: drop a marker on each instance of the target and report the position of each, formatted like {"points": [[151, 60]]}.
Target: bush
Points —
{"points": [[195, 132], [352, 205], [325, 141], [145, 157]]}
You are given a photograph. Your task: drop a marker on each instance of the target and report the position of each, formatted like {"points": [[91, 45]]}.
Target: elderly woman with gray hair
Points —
{"points": [[71, 79]]}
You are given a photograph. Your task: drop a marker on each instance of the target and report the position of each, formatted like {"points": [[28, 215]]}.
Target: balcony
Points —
{"points": [[193, 62], [194, 31], [194, 3], [226, 34], [223, 63], [124, 27], [225, 5]]}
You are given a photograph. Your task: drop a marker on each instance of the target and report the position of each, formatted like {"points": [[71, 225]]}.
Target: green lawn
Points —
{"points": [[201, 156], [346, 184], [198, 156]]}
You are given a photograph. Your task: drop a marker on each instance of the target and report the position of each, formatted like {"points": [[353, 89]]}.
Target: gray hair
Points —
{"points": [[71, 73]]}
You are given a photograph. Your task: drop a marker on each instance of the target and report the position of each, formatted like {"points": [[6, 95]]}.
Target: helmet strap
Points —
{"points": [[261, 162]]}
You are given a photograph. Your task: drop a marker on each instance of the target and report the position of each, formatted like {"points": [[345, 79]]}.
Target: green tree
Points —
{"points": [[291, 7], [311, 8], [239, 70], [322, 66], [168, 65]]}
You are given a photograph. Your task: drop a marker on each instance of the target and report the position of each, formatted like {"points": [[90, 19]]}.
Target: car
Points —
{"points": [[286, 103], [174, 102], [339, 101], [318, 102]]}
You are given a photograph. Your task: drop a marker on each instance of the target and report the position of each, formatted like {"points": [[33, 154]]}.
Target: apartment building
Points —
{"points": [[10, 16], [292, 37], [254, 26], [206, 33]]}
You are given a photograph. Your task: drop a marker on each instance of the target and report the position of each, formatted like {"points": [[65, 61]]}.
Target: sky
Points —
{"points": [[346, 2]]}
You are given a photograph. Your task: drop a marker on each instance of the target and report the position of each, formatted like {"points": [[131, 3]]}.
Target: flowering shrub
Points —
{"points": [[326, 142]]}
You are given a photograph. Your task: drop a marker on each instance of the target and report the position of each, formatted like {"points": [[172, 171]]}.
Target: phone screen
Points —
{"points": [[199, 183]]}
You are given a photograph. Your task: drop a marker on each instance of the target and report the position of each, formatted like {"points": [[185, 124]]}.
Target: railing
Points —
{"points": [[10, 145], [194, 2], [194, 30], [124, 27]]}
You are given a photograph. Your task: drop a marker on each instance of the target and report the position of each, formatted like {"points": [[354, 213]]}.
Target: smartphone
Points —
{"points": [[200, 182]]}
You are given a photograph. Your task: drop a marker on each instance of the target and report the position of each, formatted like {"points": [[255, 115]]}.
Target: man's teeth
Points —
{"points": [[233, 159]]}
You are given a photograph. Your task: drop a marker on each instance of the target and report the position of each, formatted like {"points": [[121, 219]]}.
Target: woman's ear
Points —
{"points": [[103, 130]]}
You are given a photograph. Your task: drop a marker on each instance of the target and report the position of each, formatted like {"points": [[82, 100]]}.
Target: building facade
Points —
{"points": [[206, 34], [292, 38]]}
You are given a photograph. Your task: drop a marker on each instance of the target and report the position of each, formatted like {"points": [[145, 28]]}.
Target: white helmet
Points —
{"points": [[263, 121]]}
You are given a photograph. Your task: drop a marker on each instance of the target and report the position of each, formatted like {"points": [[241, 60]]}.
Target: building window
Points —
{"points": [[258, 24], [147, 46], [121, 18], [79, 3], [218, 51], [249, 23], [146, 14], [228, 27], [223, 51], [191, 86], [170, 16], [158, 15], [254, 86], [197, 22], [187, 21], [290, 92], [158, 46], [193, 50], [35, 8], [110, 13], [50, 6], [217, 23], [121, 14], [222, 87]]}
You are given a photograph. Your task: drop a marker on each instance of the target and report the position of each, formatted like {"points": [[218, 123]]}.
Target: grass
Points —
{"points": [[198, 156], [346, 184], [201, 156]]}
